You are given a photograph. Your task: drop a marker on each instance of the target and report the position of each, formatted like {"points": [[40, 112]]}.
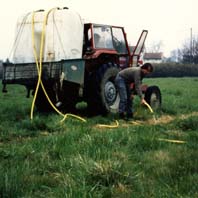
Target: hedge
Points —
{"points": [[174, 70]]}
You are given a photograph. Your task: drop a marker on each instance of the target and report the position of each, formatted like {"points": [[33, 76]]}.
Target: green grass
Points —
{"points": [[46, 158]]}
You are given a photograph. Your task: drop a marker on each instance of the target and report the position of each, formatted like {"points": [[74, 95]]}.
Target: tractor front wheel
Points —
{"points": [[153, 97]]}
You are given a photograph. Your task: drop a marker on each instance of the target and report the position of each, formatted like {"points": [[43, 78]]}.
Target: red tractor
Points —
{"points": [[77, 61]]}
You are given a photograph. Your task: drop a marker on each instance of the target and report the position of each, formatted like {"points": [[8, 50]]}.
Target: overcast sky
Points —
{"points": [[168, 21]]}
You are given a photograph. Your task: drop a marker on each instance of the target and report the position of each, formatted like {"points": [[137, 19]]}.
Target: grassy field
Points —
{"points": [[47, 158]]}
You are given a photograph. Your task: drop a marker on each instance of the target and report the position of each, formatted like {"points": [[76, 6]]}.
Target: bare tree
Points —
{"points": [[189, 51], [155, 47]]}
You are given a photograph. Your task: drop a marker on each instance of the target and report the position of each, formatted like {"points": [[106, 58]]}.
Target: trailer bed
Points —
{"points": [[27, 73]]}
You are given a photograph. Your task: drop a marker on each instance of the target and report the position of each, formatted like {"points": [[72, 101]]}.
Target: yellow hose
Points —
{"points": [[108, 126], [149, 107], [39, 65], [172, 141], [72, 115], [39, 69], [36, 59]]}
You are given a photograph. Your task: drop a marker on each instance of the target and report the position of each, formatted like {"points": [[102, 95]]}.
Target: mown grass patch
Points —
{"points": [[188, 124]]}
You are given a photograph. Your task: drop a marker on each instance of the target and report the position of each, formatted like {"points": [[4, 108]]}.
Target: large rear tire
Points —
{"points": [[108, 92], [104, 97], [153, 97]]}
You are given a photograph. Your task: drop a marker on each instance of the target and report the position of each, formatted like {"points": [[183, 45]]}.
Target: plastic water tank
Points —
{"points": [[63, 36]]}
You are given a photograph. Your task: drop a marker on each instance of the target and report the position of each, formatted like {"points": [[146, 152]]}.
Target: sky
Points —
{"points": [[171, 22]]}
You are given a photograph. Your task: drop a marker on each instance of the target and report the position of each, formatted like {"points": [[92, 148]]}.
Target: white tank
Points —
{"points": [[63, 36]]}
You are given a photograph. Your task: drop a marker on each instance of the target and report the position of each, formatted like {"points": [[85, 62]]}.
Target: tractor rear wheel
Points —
{"points": [[153, 97], [108, 92], [104, 97]]}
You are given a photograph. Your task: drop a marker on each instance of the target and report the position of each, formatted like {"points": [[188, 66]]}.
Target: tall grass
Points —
{"points": [[46, 158]]}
